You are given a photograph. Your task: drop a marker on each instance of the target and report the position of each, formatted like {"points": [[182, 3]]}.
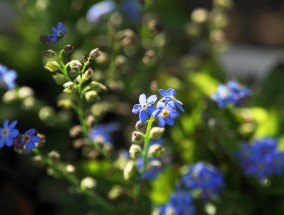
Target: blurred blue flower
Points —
{"points": [[8, 133], [179, 203], [100, 9], [203, 178], [30, 139], [261, 159], [153, 167], [230, 93], [7, 77], [170, 98], [103, 133], [131, 9], [144, 108], [59, 31], [165, 114]]}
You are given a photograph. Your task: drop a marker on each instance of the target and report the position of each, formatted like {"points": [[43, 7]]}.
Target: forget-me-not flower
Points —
{"points": [[58, 32], [102, 133], [29, 139], [131, 9], [165, 114], [8, 133], [170, 98], [98, 10], [7, 77], [144, 107]]}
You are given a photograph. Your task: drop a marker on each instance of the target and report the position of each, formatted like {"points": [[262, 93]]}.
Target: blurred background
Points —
{"points": [[162, 42]]}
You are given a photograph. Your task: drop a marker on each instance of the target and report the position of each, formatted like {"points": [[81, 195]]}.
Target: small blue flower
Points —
{"points": [[7, 77], [98, 10], [179, 203], [165, 114], [131, 9], [8, 133], [204, 178], [30, 139], [261, 159], [144, 108], [59, 31], [170, 97], [230, 93], [102, 133]]}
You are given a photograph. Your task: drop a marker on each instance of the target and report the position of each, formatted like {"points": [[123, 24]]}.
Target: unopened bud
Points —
{"points": [[90, 120], [75, 131], [103, 58], [137, 137], [10, 96], [70, 168], [156, 132], [49, 53], [59, 78], [25, 92], [42, 139], [129, 169], [97, 86], [155, 150], [69, 87], [65, 104], [91, 96], [37, 160], [74, 71], [68, 49], [75, 63], [139, 125], [52, 66], [88, 183], [88, 74], [53, 155], [135, 151], [95, 53]]}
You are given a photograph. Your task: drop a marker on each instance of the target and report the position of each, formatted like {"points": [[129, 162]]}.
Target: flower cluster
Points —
{"points": [[261, 159], [179, 203], [166, 110], [203, 178], [10, 136], [57, 33], [7, 77], [230, 93]]}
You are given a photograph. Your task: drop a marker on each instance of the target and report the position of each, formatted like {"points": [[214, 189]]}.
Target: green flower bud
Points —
{"points": [[156, 132], [129, 169], [52, 66], [139, 125], [97, 86], [69, 87], [10, 96], [68, 49], [59, 78], [88, 74], [75, 63], [65, 104], [74, 71], [115, 192], [156, 150], [88, 183], [103, 59], [69, 168], [135, 151], [46, 113], [95, 53], [53, 155], [137, 137], [49, 53], [91, 96]]}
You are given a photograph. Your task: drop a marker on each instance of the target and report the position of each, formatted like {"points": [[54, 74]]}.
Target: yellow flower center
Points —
{"points": [[165, 113], [173, 98], [5, 132], [144, 106], [27, 138], [170, 211]]}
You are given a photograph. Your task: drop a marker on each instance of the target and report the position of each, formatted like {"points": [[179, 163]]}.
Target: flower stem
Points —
{"points": [[146, 142]]}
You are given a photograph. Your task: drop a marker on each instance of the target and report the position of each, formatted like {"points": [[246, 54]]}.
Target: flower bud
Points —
{"points": [[129, 169], [135, 151], [88, 74], [42, 139], [52, 66], [91, 96], [68, 49], [69, 87], [65, 104], [75, 63], [156, 132], [97, 86], [103, 59], [75, 131], [37, 160], [10, 96], [25, 92], [74, 71], [88, 183], [137, 137], [69, 168], [95, 53], [53, 155], [46, 113], [139, 125], [155, 150], [59, 78], [49, 53]]}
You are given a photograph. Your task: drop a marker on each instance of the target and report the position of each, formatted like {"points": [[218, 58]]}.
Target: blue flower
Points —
{"points": [[144, 108], [131, 9], [59, 31], [98, 10], [204, 178], [8, 133], [102, 133], [7, 77], [165, 114], [230, 93], [170, 98], [152, 169], [179, 203], [29, 139], [261, 159]]}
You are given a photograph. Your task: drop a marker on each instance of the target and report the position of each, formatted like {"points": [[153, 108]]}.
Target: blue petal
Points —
{"points": [[164, 92], [179, 106], [174, 114], [151, 109], [136, 108], [14, 133], [35, 139], [156, 113], [30, 146], [6, 123], [9, 141], [143, 116], [142, 98], [151, 99], [2, 142], [30, 131], [161, 105], [54, 30], [172, 92], [169, 121], [12, 125], [59, 25], [161, 122]]}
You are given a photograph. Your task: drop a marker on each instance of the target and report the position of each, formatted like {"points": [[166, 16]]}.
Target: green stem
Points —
{"points": [[146, 142], [63, 68]]}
